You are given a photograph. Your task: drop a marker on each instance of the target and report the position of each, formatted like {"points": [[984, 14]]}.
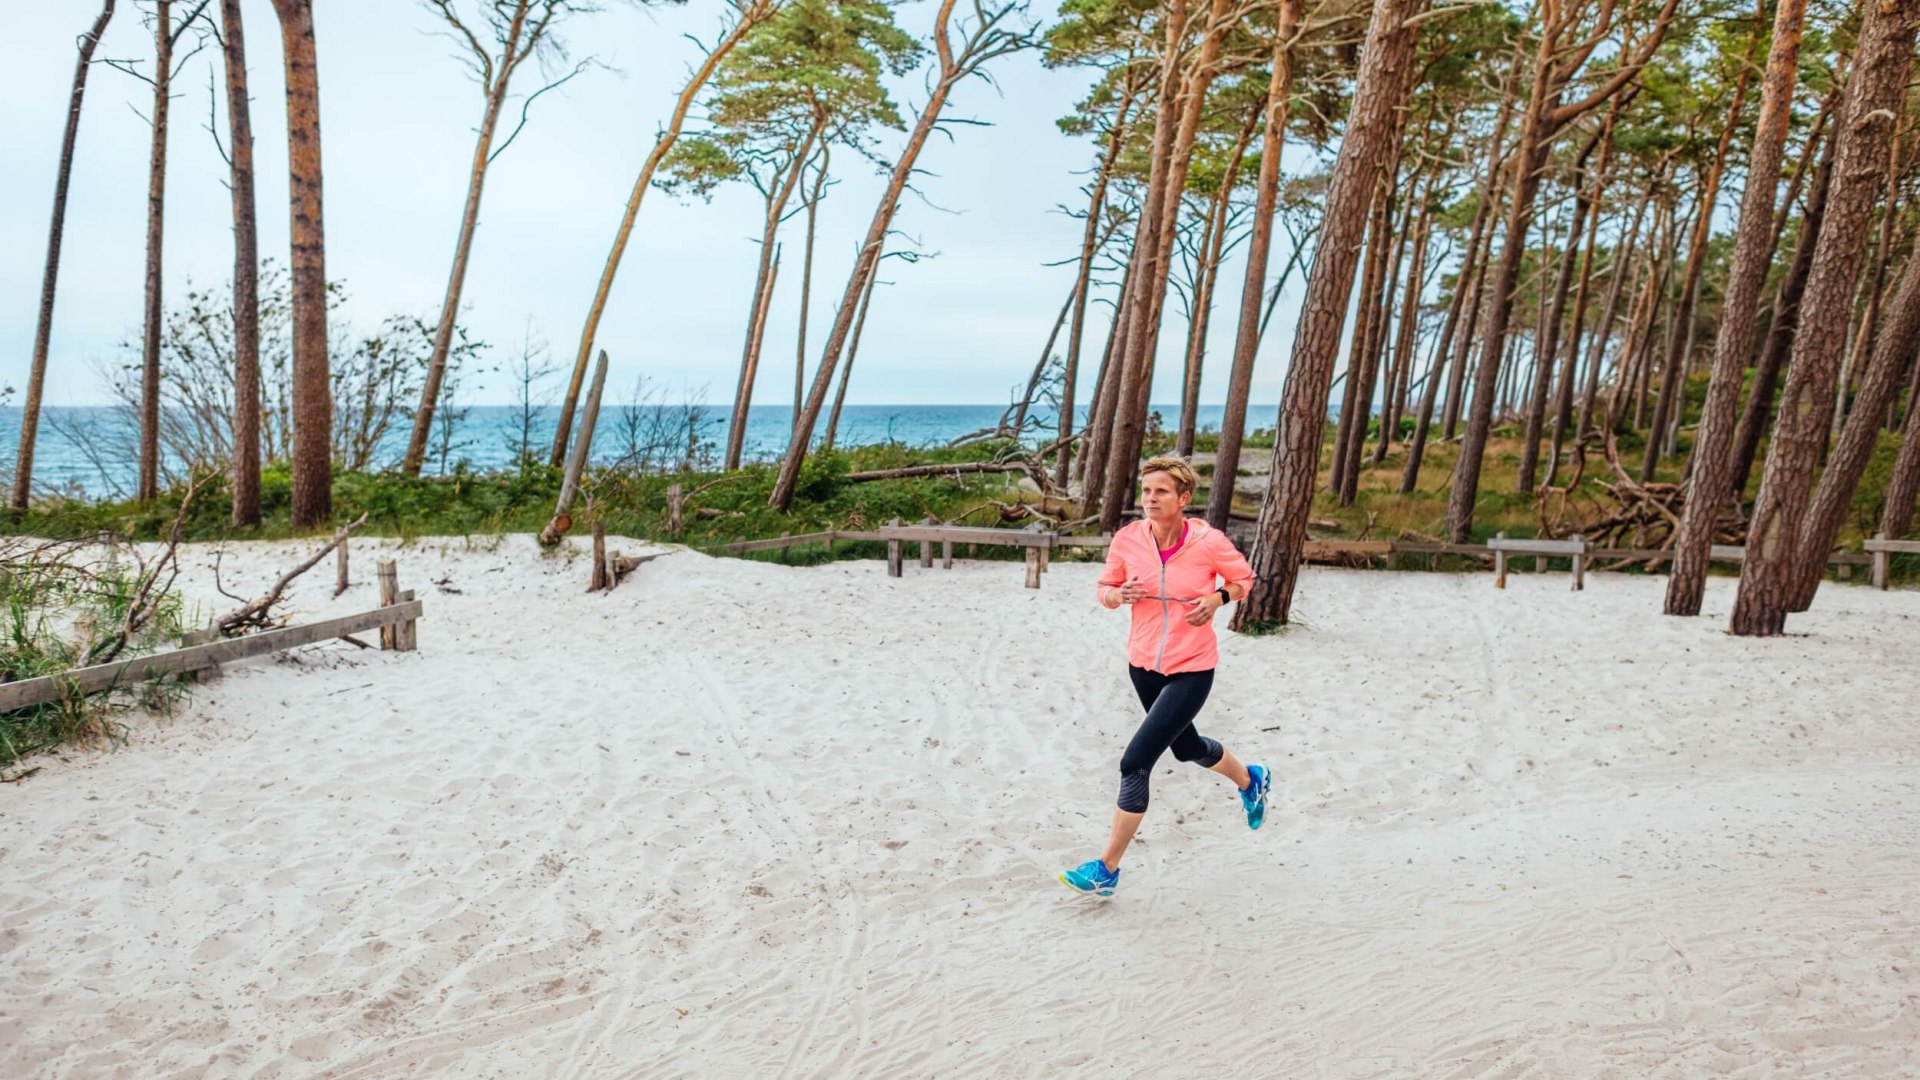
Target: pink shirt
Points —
{"points": [[1167, 553], [1160, 638]]}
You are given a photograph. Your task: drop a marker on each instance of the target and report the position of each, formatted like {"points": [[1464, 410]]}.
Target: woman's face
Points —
{"points": [[1161, 498]]}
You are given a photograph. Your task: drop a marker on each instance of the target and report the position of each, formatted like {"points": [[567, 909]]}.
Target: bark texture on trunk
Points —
{"points": [[1386, 69], [246, 275], [1781, 328], [149, 482], [1246, 341], [312, 496], [1711, 483], [1897, 340], [1867, 123]]}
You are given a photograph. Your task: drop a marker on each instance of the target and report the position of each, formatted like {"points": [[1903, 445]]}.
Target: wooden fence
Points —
{"points": [[1039, 543], [395, 620]]}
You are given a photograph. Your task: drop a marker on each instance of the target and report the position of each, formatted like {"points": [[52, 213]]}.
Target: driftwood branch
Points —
{"points": [[255, 613], [148, 591]]}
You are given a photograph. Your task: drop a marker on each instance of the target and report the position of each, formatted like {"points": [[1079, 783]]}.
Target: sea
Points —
{"points": [[88, 452]]}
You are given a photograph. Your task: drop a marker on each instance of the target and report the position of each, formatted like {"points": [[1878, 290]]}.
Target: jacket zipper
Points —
{"points": [[1160, 654]]}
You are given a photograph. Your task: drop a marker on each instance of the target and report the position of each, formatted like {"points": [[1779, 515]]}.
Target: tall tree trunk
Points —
{"points": [[1783, 325], [1545, 116], [1666, 416], [983, 44], [1896, 516], [312, 496], [1547, 344], [1137, 382], [806, 290], [1246, 341], [1018, 411], [43, 328], [1405, 334], [1646, 328], [1089, 250], [1868, 119], [1416, 450], [846, 373], [1623, 253], [1473, 271], [494, 79], [1710, 486], [1091, 465], [750, 14], [1898, 339], [246, 275], [1576, 325], [1546, 347], [1872, 289], [1381, 89], [1130, 317], [149, 485], [1209, 281], [1200, 306], [1353, 404], [762, 299], [1376, 323]]}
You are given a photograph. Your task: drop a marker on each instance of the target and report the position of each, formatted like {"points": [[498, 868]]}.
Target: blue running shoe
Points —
{"points": [[1091, 876], [1254, 796]]}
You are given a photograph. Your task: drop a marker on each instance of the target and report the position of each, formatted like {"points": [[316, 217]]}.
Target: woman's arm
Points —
{"points": [[1112, 577]]}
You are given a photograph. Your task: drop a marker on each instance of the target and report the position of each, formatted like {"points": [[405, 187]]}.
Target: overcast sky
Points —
{"points": [[397, 119]]}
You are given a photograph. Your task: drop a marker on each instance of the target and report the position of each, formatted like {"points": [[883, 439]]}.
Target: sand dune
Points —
{"points": [[739, 818]]}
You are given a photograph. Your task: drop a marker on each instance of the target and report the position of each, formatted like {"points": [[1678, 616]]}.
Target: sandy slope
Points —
{"points": [[744, 819]]}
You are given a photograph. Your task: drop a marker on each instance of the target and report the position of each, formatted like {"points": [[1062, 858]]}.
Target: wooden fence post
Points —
{"points": [[1882, 564], [676, 509], [1499, 564], [389, 574], [946, 554], [598, 579], [1580, 569], [406, 635], [340, 585], [926, 546], [830, 534], [894, 554], [1033, 567]]}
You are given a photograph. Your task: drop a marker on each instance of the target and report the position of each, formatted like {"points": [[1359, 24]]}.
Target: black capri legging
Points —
{"points": [[1171, 701]]}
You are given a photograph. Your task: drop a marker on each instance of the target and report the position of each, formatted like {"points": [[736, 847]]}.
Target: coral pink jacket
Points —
{"points": [[1161, 639]]}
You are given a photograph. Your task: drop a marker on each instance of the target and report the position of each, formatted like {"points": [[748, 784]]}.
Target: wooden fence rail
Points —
{"points": [[92, 680], [1039, 545]]}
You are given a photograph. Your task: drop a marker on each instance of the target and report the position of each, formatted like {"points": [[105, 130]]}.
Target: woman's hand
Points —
{"points": [[1203, 609], [1131, 591]]}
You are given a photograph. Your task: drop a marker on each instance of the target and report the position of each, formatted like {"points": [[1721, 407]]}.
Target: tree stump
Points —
{"points": [[598, 579], [676, 509]]}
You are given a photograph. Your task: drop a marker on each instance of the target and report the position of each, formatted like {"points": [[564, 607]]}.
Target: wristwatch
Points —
{"points": [[1225, 596]]}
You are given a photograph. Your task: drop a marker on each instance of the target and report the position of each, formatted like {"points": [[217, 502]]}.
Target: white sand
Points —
{"points": [[745, 819]]}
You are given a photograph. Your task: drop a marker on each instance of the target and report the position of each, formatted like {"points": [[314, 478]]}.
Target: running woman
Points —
{"points": [[1166, 567]]}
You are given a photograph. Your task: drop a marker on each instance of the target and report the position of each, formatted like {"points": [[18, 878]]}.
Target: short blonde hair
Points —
{"points": [[1184, 480]]}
